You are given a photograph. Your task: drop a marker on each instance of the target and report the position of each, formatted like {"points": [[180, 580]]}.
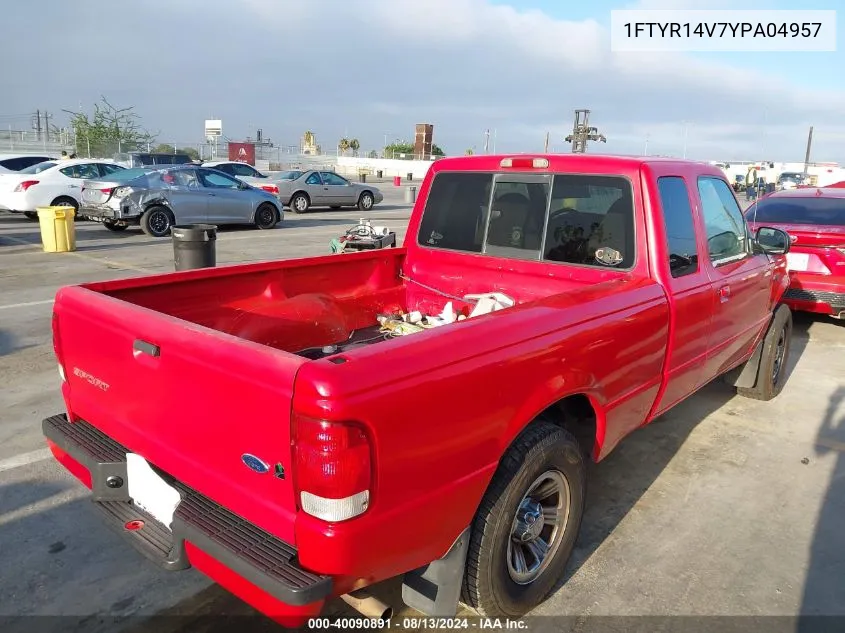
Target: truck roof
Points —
{"points": [[600, 162]]}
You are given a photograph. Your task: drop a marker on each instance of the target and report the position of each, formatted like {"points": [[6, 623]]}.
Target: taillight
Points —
{"points": [[333, 468], [57, 347], [271, 189], [106, 192], [26, 184]]}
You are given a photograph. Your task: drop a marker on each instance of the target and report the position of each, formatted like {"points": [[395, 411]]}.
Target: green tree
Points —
{"points": [[354, 145], [372, 154], [343, 145], [436, 151], [395, 149], [469, 152], [163, 148], [108, 130]]}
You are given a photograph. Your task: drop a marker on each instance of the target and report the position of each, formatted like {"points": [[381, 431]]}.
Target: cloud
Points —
{"points": [[374, 68]]}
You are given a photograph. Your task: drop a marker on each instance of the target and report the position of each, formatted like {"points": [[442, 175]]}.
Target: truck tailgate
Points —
{"points": [[189, 400]]}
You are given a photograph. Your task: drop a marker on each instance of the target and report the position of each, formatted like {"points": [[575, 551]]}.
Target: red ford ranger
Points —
{"points": [[298, 430], [815, 220]]}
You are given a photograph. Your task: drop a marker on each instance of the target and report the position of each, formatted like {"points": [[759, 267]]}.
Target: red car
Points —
{"points": [[815, 220], [298, 430]]}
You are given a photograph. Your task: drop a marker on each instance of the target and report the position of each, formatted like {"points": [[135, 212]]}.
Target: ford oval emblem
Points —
{"points": [[254, 463]]}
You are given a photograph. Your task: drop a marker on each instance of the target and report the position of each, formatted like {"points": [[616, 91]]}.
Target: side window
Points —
{"points": [[680, 226], [242, 170], [314, 179], [217, 180], [87, 171], [330, 178], [727, 233], [591, 221], [107, 168]]}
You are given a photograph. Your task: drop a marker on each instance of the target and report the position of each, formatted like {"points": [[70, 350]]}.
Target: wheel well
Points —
{"points": [[275, 208], [55, 200], [157, 203], [296, 193], [366, 191], [575, 414]]}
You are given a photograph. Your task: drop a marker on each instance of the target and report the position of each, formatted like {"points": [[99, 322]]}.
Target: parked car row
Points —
{"points": [[155, 196]]}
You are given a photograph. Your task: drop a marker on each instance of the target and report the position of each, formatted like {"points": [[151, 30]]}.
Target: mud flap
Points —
{"points": [[745, 376], [435, 589]]}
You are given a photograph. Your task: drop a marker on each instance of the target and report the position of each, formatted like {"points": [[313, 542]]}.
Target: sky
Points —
{"points": [[371, 69]]}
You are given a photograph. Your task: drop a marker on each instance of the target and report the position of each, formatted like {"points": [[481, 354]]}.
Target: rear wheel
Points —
{"points": [[525, 528], [300, 203], [64, 201], [266, 216], [771, 374], [157, 221]]}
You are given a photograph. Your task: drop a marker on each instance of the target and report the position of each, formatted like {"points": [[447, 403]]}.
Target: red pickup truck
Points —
{"points": [[298, 430], [814, 217]]}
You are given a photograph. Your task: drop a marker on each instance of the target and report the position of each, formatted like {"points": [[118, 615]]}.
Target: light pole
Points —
{"points": [[686, 134]]}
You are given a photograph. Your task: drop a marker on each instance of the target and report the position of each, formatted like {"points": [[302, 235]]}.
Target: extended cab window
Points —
{"points": [[727, 233], [679, 224]]}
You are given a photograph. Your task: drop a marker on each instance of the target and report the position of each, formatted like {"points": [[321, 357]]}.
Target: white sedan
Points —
{"points": [[51, 183]]}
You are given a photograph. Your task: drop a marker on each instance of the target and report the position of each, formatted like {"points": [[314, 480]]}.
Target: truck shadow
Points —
{"points": [[9, 344], [824, 591]]}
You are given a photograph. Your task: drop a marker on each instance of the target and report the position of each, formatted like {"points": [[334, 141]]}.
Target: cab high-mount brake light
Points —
{"points": [[523, 162]]}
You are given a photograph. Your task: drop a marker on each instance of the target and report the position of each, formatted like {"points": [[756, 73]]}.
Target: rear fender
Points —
{"points": [[548, 395]]}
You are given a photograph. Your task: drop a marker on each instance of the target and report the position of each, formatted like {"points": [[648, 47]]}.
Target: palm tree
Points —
{"points": [[354, 145], [343, 145], [469, 152], [309, 138]]}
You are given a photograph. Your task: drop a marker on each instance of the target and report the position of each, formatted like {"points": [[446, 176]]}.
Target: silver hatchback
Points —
{"points": [[158, 198]]}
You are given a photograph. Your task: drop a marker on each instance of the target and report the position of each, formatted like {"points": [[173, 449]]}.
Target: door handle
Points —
{"points": [[141, 346], [724, 293]]}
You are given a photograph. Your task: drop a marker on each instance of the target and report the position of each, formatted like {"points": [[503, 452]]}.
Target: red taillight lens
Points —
{"points": [[333, 468], [106, 192], [270, 189], [26, 184]]}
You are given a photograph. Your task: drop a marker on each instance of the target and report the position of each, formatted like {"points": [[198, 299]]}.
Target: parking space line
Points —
{"points": [[26, 304], [99, 260], [25, 459]]}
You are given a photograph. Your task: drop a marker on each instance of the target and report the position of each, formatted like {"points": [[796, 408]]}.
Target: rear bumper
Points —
{"points": [[825, 295], [247, 556]]}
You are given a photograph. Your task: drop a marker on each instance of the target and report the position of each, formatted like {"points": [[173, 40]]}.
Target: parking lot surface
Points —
{"points": [[724, 506]]}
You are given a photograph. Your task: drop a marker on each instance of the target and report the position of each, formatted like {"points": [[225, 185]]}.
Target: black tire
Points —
{"points": [[157, 221], [300, 202], [117, 228], [489, 584], [266, 216], [366, 201], [30, 215], [771, 374]]}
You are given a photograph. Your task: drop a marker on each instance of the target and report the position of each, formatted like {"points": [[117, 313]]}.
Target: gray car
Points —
{"points": [[157, 198], [313, 188]]}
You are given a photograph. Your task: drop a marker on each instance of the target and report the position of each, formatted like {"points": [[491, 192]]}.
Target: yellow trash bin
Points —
{"points": [[58, 233]]}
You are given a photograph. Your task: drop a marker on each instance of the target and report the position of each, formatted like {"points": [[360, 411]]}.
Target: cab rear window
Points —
{"points": [[580, 219]]}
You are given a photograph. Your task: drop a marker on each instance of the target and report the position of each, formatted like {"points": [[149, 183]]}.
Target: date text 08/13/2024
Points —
{"points": [[416, 623]]}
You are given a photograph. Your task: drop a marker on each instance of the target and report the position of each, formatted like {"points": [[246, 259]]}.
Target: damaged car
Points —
{"points": [[156, 199]]}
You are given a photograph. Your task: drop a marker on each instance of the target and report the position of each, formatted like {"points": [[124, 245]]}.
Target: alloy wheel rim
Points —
{"points": [[539, 525]]}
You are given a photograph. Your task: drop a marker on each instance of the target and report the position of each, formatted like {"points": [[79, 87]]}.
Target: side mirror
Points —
{"points": [[772, 241]]}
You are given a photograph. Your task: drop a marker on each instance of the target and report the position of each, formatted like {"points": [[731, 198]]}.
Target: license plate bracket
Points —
{"points": [[149, 491]]}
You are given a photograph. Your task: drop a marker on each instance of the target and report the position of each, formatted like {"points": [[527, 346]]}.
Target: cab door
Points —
{"points": [[690, 291], [740, 278]]}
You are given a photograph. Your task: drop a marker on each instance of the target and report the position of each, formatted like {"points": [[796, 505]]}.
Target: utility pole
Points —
{"points": [[546, 145], [47, 118], [486, 141], [807, 155], [37, 124], [582, 132], [686, 133]]}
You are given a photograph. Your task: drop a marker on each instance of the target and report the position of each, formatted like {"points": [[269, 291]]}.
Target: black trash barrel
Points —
{"points": [[194, 246], [409, 176], [379, 173]]}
